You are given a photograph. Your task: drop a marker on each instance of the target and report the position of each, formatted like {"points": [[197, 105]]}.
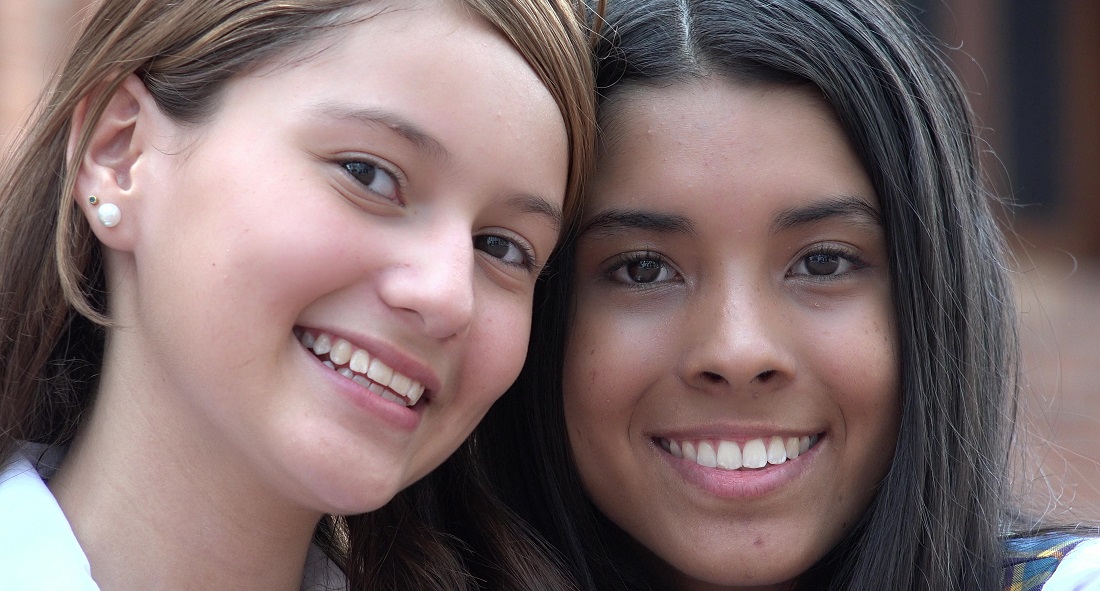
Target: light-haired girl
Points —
{"points": [[263, 267]]}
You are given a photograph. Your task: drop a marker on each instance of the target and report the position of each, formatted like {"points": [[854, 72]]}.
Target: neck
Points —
{"points": [[157, 507]]}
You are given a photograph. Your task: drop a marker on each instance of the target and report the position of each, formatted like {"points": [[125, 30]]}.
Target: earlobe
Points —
{"points": [[105, 184]]}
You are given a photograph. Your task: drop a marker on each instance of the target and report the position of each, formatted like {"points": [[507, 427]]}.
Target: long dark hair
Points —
{"points": [[443, 532], [935, 521]]}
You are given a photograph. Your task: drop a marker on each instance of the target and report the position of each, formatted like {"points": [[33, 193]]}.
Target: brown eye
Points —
{"points": [[828, 262], [641, 269], [504, 249], [822, 264], [644, 271], [374, 178]]}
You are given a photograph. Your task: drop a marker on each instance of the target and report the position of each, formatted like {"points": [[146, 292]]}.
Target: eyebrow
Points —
{"points": [[392, 121], [612, 221], [858, 210], [537, 205]]}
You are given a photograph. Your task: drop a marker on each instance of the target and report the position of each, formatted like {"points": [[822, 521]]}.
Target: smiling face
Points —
{"points": [[331, 281], [731, 379]]}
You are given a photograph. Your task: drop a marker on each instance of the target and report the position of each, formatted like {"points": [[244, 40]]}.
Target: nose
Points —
{"points": [[431, 284], [737, 342]]}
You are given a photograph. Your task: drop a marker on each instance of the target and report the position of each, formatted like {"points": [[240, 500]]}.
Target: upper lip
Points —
{"points": [[389, 354], [733, 433]]}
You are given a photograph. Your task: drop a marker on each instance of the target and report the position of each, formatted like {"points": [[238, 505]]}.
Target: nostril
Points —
{"points": [[765, 376], [712, 377]]}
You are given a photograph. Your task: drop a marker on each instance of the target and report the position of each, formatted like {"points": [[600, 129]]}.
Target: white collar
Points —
{"points": [[38, 549]]}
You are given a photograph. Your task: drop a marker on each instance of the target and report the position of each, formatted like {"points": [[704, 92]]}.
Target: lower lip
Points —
{"points": [[402, 418], [742, 484]]}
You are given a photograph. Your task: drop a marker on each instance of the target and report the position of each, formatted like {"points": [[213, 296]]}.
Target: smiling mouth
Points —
{"points": [[360, 367], [755, 454]]}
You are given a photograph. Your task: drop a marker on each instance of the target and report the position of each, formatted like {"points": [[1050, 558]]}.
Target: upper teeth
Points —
{"points": [[358, 366], [729, 455]]}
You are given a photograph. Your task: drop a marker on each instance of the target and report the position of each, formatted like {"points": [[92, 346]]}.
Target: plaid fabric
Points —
{"points": [[1029, 562]]}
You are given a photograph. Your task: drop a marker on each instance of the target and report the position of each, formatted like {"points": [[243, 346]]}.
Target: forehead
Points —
{"points": [[711, 135], [436, 62], [716, 112]]}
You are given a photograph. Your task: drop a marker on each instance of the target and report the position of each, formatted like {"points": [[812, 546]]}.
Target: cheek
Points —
{"points": [[587, 393], [236, 243], [498, 343], [862, 353], [613, 355], [606, 372], [878, 375], [594, 346], [276, 278], [854, 348]]}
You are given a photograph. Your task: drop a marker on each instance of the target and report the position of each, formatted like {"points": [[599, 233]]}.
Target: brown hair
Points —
{"points": [[52, 302]]}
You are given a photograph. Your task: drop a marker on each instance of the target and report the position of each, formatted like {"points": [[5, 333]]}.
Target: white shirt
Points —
{"points": [[1079, 570], [38, 549]]}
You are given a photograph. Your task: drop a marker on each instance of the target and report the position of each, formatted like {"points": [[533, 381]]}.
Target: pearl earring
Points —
{"points": [[109, 214]]}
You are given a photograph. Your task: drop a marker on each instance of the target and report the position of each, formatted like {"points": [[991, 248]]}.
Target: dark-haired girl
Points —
{"points": [[788, 359]]}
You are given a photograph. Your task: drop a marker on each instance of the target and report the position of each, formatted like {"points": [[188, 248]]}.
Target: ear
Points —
{"points": [[117, 142]]}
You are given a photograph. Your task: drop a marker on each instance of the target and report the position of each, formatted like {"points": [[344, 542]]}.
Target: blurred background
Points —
{"points": [[1032, 68]]}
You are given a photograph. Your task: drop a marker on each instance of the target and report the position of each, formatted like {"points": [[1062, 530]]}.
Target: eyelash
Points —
{"points": [[621, 261], [529, 260], [829, 250]]}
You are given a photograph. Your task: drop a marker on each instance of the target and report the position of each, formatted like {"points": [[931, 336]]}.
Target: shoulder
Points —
{"points": [[38, 549], [1052, 562]]}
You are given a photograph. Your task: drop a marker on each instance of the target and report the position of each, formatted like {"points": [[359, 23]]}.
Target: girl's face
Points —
{"points": [[384, 204], [731, 379]]}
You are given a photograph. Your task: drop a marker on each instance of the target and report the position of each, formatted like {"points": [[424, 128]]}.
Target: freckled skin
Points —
{"points": [[736, 334]]}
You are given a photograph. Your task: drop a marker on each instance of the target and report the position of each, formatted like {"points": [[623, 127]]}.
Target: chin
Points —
{"points": [[734, 571], [341, 488], [355, 500]]}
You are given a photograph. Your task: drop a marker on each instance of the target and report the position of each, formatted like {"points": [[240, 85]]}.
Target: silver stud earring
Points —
{"points": [[108, 213]]}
